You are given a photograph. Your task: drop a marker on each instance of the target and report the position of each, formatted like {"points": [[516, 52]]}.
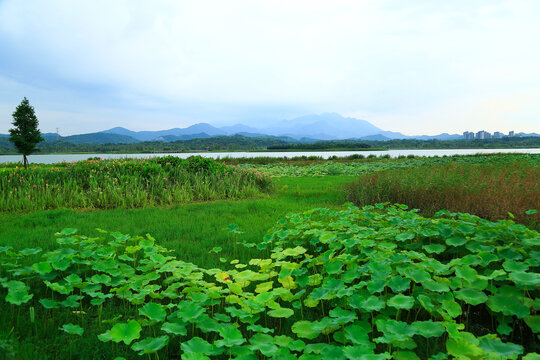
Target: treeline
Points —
{"points": [[217, 143], [323, 145], [242, 143], [503, 143]]}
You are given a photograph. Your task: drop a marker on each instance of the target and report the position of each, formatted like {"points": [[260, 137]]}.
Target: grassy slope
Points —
{"points": [[180, 227]]}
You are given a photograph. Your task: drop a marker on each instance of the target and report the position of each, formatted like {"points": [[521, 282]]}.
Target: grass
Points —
{"points": [[405, 287], [192, 230], [490, 190], [125, 183], [179, 227]]}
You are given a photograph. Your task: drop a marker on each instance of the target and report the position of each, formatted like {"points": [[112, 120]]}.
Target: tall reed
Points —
{"points": [[126, 183], [489, 190]]}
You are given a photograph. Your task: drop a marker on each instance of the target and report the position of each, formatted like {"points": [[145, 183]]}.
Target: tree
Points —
{"points": [[25, 135]]}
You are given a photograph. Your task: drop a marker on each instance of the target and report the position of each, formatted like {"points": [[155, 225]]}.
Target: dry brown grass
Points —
{"points": [[489, 190]]}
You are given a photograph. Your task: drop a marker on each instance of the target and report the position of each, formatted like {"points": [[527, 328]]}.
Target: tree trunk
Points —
{"points": [[25, 162]]}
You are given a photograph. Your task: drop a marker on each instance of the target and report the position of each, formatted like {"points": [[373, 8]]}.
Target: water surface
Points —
{"points": [[57, 158]]}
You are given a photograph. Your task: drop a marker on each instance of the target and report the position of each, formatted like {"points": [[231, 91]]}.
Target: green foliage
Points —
{"points": [[375, 165], [493, 187], [25, 134], [332, 284], [126, 183]]}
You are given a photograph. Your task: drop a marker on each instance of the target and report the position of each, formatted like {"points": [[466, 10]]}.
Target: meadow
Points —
{"points": [[288, 273]]}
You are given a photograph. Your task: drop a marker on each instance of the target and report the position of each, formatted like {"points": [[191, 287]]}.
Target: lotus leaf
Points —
{"points": [[72, 329], [174, 327], [200, 346], [533, 322], [126, 332], [500, 348], [18, 296], [342, 316], [418, 275], [68, 231], [464, 346], [281, 313], [525, 278], [467, 273], [471, 296], [507, 305], [333, 267], [306, 329], [510, 265], [401, 301], [435, 286], [263, 343], [72, 301], [399, 284], [452, 308], [42, 268], [358, 336], [429, 328], [61, 264], [405, 236], [153, 311], [33, 251], [150, 345], [48, 303], [456, 241], [373, 303], [299, 250], [189, 310], [405, 355], [231, 336]]}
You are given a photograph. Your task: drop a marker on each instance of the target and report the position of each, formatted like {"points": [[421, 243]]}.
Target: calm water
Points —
{"points": [[51, 159]]}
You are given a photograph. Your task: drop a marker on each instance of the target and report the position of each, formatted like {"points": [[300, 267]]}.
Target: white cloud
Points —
{"points": [[395, 61]]}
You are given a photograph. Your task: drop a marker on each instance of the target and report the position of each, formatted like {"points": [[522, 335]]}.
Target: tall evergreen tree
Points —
{"points": [[25, 134]]}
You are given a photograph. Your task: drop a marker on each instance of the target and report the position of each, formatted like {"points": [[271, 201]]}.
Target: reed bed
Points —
{"points": [[125, 183], [493, 190]]}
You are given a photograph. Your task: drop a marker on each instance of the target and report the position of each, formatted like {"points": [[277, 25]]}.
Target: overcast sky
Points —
{"points": [[418, 67]]}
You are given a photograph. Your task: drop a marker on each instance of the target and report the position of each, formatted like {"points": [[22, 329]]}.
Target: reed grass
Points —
{"points": [[493, 190], [125, 183]]}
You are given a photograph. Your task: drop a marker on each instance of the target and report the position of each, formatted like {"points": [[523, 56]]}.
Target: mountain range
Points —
{"points": [[310, 128]]}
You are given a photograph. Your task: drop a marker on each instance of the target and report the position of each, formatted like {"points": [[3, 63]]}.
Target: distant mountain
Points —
{"points": [[443, 136], [169, 138], [239, 129], [51, 136], [328, 126], [377, 137], [201, 128], [100, 138]]}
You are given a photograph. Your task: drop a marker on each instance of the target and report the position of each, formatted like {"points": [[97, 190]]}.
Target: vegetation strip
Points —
{"points": [[127, 183], [383, 163], [501, 188], [378, 283]]}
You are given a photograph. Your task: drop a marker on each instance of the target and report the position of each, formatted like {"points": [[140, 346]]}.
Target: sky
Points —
{"points": [[417, 67]]}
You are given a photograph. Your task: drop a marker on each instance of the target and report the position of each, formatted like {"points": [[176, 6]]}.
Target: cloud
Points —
{"points": [[182, 62]]}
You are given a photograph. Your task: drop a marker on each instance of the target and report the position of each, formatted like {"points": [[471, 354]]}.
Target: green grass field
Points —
{"points": [[179, 227], [343, 282]]}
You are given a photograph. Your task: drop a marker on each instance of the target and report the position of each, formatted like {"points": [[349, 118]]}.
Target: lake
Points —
{"points": [[56, 158]]}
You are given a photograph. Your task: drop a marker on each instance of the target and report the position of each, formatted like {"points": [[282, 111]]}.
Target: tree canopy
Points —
{"points": [[25, 134]]}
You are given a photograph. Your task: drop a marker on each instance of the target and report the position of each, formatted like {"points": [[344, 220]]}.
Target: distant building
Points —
{"points": [[497, 135], [483, 135], [468, 135], [511, 133]]}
